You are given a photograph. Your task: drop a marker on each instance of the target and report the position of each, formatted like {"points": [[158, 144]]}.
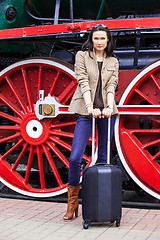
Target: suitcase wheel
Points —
{"points": [[85, 225], [112, 221], [117, 223]]}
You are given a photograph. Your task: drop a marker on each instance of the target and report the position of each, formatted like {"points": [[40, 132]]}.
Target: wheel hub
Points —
{"points": [[34, 129]]}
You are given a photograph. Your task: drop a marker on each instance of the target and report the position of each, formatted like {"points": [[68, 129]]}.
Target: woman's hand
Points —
{"points": [[107, 112], [90, 110], [96, 112]]}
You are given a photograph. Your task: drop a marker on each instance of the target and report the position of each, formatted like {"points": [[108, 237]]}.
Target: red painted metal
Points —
{"points": [[19, 90], [125, 77], [139, 134], [139, 110], [48, 30]]}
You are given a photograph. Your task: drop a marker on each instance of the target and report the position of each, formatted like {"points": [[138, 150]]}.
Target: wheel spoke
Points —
{"points": [[61, 143], [41, 170], [60, 125], [39, 81], [65, 95], [88, 159], [151, 143], [52, 164], [67, 146], [135, 131], [145, 97], [6, 139], [54, 83], [20, 157], [142, 162], [29, 165], [62, 133], [9, 104], [13, 119], [152, 119], [155, 81], [153, 158], [90, 139], [17, 95], [12, 175], [58, 153], [12, 149], [28, 91], [11, 128]]}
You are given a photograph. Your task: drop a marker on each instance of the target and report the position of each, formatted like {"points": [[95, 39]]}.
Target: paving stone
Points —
{"points": [[35, 220]]}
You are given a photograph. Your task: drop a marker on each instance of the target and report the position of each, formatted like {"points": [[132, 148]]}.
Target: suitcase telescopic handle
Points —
{"points": [[108, 139], [93, 137]]}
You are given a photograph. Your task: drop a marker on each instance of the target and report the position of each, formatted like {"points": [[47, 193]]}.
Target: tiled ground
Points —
{"points": [[35, 220]]}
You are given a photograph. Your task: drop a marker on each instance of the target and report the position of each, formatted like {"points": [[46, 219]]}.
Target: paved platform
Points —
{"points": [[35, 220]]}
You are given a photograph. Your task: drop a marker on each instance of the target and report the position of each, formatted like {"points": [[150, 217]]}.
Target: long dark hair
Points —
{"points": [[88, 45]]}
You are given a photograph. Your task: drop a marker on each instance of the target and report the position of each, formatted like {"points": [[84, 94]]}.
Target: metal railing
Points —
{"points": [[56, 18]]}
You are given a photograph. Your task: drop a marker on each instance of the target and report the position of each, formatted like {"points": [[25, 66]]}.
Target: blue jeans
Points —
{"points": [[82, 133]]}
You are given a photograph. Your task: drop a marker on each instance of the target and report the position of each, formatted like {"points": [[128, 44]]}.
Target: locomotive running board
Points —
{"points": [[44, 31], [49, 107]]}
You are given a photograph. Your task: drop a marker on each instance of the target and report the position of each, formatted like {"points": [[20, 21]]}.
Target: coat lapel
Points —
{"points": [[105, 61], [94, 59]]}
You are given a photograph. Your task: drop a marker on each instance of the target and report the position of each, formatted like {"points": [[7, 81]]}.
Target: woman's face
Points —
{"points": [[99, 39]]}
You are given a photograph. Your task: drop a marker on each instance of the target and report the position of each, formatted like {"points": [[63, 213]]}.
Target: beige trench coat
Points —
{"points": [[87, 73]]}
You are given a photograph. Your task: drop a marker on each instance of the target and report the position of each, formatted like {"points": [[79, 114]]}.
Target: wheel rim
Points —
{"points": [[137, 137], [34, 154]]}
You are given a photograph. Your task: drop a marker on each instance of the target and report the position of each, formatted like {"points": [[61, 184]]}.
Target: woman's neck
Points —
{"points": [[99, 59], [99, 56]]}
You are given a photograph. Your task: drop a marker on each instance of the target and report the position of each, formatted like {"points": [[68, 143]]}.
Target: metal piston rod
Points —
{"points": [[49, 107]]}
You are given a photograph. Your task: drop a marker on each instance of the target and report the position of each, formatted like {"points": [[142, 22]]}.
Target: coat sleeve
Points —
{"points": [[113, 81], [81, 73]]}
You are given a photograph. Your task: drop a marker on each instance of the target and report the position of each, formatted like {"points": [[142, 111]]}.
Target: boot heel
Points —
{"points": [[72, 202], [76, 212]]}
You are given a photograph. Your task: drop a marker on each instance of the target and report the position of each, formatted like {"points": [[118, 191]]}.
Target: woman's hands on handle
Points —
{"points": [[96, 112], [107, 112]]}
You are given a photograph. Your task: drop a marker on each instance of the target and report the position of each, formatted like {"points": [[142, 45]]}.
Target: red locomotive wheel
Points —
{"points": [[138, 136], [34, 154]]}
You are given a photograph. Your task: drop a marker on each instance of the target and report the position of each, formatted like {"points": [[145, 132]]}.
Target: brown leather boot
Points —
{"points": [[72, 202]]}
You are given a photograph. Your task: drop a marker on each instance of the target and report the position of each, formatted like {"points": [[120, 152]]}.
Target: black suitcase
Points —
{"points": [[101, 192]]}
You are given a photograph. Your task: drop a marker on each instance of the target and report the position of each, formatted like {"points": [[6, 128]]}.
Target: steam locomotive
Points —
{"points": [[38, 43]]}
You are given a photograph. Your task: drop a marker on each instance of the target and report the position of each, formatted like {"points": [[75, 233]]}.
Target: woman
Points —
{"points": [[97, 75]]}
